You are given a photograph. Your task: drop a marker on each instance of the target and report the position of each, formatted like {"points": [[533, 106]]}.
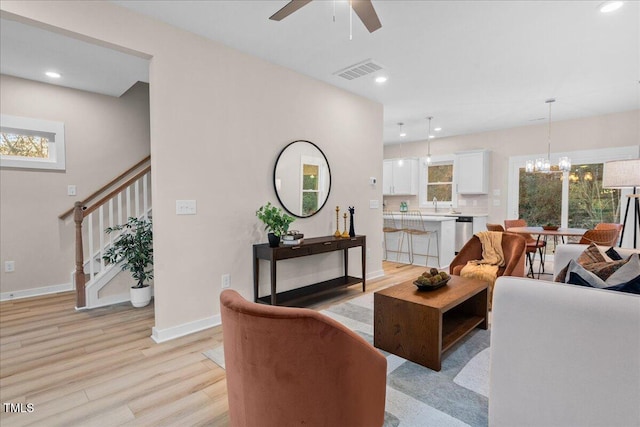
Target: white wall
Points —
{"points": [[219, 118], [104, 136], [611, 130]]}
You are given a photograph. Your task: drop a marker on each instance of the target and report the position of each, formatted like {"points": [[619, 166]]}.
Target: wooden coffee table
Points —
{"points": [[421, 325]]}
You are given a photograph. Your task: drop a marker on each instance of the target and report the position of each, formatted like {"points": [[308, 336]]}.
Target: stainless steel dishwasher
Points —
{"points": [[464, 231]]}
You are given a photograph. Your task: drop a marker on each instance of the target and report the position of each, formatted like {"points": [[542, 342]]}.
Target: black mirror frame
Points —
{"points": [[274, 178]]}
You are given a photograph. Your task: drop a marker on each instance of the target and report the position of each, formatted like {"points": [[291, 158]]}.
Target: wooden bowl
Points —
{"points": [[550, 227]]}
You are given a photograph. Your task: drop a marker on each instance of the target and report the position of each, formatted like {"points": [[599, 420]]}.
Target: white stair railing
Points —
{"points": [[133, 198]]}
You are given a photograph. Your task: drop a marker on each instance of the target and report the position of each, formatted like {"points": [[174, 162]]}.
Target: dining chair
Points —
{"points": [[495, 227], [609, 226], [533, 245], [413, 225], [391, 225], [600, 237]]}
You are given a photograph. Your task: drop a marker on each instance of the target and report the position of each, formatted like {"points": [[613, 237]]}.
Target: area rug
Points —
{"points": [[418, 396]]}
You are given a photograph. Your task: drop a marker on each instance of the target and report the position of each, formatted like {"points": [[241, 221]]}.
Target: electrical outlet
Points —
{"points": [[226, 281], [9, 266]]}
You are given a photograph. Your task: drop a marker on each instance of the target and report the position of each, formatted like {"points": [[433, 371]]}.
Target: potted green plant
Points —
{"points": [[276, 222], [134, 247]]}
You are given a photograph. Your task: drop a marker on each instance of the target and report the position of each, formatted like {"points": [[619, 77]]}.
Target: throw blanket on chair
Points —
{"points": [[486, 269]]}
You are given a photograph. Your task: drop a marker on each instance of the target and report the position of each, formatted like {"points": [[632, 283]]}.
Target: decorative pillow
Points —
{"points": [[628, 271], [578, 275], [632, 286], [611, 253], [623, 275], [591, 255]]}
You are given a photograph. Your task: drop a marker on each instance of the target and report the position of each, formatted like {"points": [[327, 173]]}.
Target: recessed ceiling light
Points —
{"points": [[610, 6], [431, 136], [381, 79], [438, 129], [53, 74]]}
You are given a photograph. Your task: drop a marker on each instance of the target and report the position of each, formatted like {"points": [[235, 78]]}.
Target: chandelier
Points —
{"points": [[542, 165]]}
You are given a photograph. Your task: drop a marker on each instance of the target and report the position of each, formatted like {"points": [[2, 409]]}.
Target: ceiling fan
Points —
{"points": [[363, 8]]}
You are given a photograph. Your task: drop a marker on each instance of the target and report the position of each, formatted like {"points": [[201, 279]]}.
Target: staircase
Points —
{"points": [[128, 195]]}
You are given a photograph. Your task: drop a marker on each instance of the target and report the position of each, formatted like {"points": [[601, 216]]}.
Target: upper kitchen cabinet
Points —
{"points": [[472, 172], [400, 177]]}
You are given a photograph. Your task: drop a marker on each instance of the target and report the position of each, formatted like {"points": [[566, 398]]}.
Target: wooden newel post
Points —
{"points": [[78, 217]]}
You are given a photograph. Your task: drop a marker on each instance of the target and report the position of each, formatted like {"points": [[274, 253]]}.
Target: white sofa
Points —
{"points": [[566, 252], [563, 355]]}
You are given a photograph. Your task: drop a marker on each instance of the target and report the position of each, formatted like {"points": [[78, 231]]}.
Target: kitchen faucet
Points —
{"points": [[435, 204]]}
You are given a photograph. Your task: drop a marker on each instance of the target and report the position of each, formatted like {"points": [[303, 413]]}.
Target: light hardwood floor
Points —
{"points": [[100, 368]]}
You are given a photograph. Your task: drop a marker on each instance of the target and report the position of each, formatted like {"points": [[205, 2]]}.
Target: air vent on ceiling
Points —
{"points": [[358, 70]]}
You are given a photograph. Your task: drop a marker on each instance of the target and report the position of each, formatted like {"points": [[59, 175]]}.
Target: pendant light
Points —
{"points": [[542, 165], [429, 141], [402, 135]]}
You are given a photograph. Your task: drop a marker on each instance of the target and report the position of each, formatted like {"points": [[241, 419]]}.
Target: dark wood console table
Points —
{"points": [[311, 246]]}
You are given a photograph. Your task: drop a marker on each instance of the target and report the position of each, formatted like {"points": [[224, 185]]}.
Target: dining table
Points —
{"points": [[545, 232]]}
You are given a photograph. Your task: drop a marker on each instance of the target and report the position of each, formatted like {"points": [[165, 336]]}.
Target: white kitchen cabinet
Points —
{"points": [[400, 177], [472, 172]]}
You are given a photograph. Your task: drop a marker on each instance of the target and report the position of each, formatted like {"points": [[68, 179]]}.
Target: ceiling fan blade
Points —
{"points": [[367, 14], [288, 9]]}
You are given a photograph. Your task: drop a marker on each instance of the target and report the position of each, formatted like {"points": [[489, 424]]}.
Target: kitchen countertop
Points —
{"points": [[446, 214], [425, 217]]}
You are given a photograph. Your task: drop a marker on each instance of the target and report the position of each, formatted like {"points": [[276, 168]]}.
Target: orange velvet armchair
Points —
{"points": [[513, 248], [295, 366]]}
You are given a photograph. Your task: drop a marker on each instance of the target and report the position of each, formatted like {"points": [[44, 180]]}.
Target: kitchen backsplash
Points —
{"points": [[466, 204]]}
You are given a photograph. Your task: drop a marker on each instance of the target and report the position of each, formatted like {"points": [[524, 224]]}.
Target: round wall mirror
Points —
{"points": [[302, 178]]}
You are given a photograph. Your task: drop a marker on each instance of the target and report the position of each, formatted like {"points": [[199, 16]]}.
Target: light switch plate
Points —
{"points": [[496, 202], [374, 204], [186, 207], [71, 190]]}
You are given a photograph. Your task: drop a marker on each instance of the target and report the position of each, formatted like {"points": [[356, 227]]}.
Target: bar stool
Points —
{"points": [[391, 226], [413, 225]]}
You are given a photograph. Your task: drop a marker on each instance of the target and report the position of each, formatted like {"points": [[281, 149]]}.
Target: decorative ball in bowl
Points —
{"points": [[432, 279], [550, 227]]}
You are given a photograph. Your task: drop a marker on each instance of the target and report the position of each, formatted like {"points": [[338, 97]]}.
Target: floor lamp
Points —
{"points": [[625, 174]]}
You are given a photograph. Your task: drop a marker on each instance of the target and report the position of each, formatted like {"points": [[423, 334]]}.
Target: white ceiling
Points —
{"points": [[29, 52], [472, 65]]}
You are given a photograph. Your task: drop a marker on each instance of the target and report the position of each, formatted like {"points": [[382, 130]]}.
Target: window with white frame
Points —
{"points": [[571, 199], [31, 143], [437, 182]]}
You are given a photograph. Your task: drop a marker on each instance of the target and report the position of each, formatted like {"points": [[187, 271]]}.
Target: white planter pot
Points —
{"points": [[140, 297]]}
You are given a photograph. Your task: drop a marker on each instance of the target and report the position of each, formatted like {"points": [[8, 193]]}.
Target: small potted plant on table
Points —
{"points": [[134, 247], [276, 222]]}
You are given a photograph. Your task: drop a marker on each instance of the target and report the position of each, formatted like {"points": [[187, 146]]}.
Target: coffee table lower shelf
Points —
{"points": [[295, 296], [455, 327]]}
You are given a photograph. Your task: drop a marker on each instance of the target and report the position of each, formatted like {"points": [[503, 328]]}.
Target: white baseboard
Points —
{"points": [[26, 293], [162, 335], [375, 274], [110, 300]]}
